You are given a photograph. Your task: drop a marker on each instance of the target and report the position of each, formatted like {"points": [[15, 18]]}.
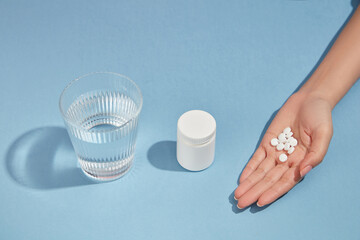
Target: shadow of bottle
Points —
{"points": [[162, 155], [44, 158]]}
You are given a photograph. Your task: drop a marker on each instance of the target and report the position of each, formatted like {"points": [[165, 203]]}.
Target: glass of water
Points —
{"points": [[101, 113]]}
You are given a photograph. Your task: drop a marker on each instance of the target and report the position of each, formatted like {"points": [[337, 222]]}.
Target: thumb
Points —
{"points": [[320, 140]]}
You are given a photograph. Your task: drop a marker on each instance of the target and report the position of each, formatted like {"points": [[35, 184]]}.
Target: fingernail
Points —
{"points": [[305, 171], [238, 206], [259, 205], [235, 198]]}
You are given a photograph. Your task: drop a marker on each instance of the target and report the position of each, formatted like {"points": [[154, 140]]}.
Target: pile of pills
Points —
{"points": [[285, 141]]}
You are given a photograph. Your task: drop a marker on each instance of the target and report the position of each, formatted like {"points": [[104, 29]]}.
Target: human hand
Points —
{"points": [[265, 178]]}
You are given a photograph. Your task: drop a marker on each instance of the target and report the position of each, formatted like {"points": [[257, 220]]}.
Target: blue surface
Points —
{"points": [[239, 60]]}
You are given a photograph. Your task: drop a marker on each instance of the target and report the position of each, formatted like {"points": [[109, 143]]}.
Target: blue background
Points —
{"points": [[238, 60]]}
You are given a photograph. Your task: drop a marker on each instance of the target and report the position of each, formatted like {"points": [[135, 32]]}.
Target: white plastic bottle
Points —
{"points": [[196, 132]]}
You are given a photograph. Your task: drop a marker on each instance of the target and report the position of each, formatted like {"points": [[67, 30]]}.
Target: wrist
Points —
{"points": [[316, 87]]}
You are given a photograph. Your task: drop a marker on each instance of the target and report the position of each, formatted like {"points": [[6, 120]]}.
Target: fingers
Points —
{"points": [[254, 193], [320, 140], [255, 177], [290, 178], [254, 162]]}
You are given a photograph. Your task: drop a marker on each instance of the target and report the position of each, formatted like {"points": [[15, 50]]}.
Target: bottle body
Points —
{"points": [[195, 157]]}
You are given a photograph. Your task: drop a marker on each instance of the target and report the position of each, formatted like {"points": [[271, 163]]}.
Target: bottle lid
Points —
{"points": [[196, 127]]}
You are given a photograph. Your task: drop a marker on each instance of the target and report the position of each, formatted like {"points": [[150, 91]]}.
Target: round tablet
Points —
{"points": [[288, 135], [282, 137], [287, 130], [283, 157], [291, 150], [280, 146], [274, 142], [293, 142], [287, 146]]}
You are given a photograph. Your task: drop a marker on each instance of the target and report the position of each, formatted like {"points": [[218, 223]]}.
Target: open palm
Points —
{"points": [[265, 178]]}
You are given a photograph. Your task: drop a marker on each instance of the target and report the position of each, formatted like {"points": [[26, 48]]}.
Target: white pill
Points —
{"points": [[291, 150], [287, 130], [287, 146], [274, 142], [282, 137], [293, 142], [288, 135], [283, 157], [280, 146]]}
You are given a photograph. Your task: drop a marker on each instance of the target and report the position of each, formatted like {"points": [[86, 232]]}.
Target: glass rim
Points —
{"points": [[72, 123]]}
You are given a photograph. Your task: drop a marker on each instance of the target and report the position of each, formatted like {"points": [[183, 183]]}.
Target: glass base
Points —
{"points": [[106, 171]]}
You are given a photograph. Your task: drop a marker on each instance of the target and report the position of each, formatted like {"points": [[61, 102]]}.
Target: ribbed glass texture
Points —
{"points": [[101, 112]]}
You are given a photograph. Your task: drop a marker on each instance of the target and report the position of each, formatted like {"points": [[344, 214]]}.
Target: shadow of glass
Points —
{"points": [[44, 158], [162, 155]]}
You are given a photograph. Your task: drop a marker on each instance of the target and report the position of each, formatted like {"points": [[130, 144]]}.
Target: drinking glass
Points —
{"points": [[101, 112]]}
